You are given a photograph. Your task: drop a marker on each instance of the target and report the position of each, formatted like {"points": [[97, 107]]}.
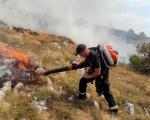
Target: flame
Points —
{"points": [[44, 32], [22, 58]]}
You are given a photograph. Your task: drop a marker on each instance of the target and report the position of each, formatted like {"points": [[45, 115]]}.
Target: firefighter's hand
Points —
{"points": [[39, 71], [74, 63], [87, 76], [102, 77]]}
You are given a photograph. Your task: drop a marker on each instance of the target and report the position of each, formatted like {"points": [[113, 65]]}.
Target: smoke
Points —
{"points": [[77, 19]]}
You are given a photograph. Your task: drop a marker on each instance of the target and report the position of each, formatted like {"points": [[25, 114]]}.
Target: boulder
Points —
{"points": [[39, 70], [7, 86], [2, 95], [146, 112], [51, 88], [49, 82], [31, 94], [18, 87], [96, 105], [41, 105], [65, 43], [60, 89], [56, 45], [71, 98], [129, 107], [88, 95]]}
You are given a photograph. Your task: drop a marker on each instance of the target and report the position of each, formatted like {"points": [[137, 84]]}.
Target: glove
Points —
{"points": [[39, 70], [74, 63]]}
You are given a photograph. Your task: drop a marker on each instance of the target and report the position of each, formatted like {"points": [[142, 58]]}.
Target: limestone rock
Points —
{"points": [[7, 86], [2, 95], [96, 105], [129, 107], [56, 45], [18, 87]]}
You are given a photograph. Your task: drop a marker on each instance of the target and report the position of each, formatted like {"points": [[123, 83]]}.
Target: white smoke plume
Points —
{"points": [[76, 19]]}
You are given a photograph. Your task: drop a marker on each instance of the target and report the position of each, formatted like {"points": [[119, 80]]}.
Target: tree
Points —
{"points": [[141, 61]]}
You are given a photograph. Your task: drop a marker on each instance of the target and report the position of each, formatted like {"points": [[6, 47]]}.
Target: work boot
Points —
{"points": [[82, 97], [114, 112]]}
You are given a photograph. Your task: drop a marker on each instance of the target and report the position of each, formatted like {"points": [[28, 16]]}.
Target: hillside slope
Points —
{"points": [[52, 51]]}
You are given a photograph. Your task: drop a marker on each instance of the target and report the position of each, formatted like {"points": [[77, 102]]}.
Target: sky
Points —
{"points": [[138, 10], [122, 14], [76, 19]]}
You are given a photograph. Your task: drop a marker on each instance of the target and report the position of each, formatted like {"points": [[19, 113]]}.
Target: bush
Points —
{"points": [[141, 61]]}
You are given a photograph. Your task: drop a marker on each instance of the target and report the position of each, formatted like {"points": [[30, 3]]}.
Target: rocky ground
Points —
{"points": [[54, 99]]}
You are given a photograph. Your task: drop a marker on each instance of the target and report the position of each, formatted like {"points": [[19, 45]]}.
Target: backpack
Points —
{"points": [[108, 54]]}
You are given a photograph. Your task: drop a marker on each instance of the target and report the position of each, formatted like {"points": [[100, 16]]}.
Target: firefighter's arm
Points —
{"points": [[93, 75]]}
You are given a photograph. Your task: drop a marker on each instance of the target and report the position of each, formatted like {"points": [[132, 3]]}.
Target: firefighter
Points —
{"points": [[98, 72]]}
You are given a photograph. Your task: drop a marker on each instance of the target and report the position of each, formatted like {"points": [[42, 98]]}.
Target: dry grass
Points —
{"points": [[18, 107], [126, 85]]}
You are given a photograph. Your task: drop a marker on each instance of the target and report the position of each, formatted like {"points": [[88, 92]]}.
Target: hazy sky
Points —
{"points": [[122, 14], [70, 18], [135, 12]]}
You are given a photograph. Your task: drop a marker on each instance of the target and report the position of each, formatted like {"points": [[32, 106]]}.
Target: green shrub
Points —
{"points": [[141, 61]]}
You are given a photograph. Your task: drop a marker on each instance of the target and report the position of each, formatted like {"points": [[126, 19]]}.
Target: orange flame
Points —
{"points": [[21, 57], [44, 32]]}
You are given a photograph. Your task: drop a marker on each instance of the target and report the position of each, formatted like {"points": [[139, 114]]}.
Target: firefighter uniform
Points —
{"points": [[101, 82]]}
